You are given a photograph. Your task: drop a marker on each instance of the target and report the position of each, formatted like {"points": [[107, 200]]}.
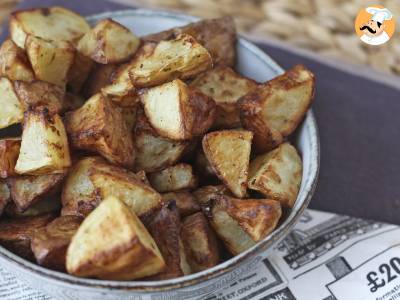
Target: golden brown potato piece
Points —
{"points": [[114, 248], [79, 195], [108, 42], [9, 151], [49, 244], [14, 63], [228, 152], [185, 202], [182, 57], [111, 180], [28, 190], [99, 126], [204, 194], [99, 77], [276, 108], [201, 244], [5, 196], [44, 145], [11, 111], [225, 87], [277, 174], [16, 235], [50, 60], [154, 152], [49, 204], [242, 223], [165, 228], [178, 112], [174, 178], [54, 23], [218, 36], [79, 72], [40, 94]]}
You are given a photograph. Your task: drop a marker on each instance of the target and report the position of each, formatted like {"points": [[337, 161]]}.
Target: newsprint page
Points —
{"points": [[325, 257]]}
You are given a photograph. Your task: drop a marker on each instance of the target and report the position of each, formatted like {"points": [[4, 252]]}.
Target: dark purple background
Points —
{"points": [[359, 124]]}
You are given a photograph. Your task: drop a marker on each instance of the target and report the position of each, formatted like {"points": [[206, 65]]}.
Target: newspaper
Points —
{"points": [[325, 257]]}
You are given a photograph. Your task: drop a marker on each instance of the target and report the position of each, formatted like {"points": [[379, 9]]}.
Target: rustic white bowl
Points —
{"points": [[253, 63]]}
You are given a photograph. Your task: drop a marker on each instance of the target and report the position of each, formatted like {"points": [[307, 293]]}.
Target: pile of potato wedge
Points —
{"points": [[140, 158]]}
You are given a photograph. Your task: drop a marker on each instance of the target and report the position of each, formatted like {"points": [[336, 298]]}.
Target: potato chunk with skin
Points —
{"points": [[99, 126], [275, 109], [228, 152], [9, 151], [154, 152], [11, 111], [182, 57], [185, 202], [50, 60], [113, 248], [99, 77], [49, 244], [218, 36], [28, 190], [44, 145], [242, 223], [178, 112], [79, 72], [166, 228], [5, 196], [206, 193], [48, 205], [200, 242], [16, 235], [277, 174], [14, 63], [175, 178], [108, 42], [225, 87], [53, 23]]}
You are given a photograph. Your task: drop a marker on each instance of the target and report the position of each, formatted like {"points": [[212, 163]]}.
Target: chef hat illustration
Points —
{"points": [[379, 14]]}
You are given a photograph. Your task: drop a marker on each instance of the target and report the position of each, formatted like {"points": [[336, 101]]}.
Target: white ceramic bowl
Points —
{"points": [[253, 63]]}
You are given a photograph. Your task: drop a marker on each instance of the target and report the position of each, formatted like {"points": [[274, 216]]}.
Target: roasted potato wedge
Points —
{"points": [[154, 152], [108, 42], [277, 174], [115, 248], [28, 190], [204, 194], [5, 196], [50, 60], [182, 57], [54, 23], [174, 178], [44, 145], [9, 152], [225, 86], [99, 126], [228, 152], [99, 77], [218, 36], [12, 111], [49, 244], [40, 94], [178, 112], [200, 241], [79, 72], [16, 235], [185, 202], [14, 63], [242, 223], [48, 205], [165, 228], [111, 180]]}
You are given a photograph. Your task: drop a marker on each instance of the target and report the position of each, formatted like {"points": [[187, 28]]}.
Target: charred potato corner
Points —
{"points": [[140, 158]]}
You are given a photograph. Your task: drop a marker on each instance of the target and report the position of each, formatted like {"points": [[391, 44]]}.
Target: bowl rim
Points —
{"points": [[220, 269]]}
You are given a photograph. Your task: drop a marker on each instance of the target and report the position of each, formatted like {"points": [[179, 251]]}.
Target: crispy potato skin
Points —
{"points": [[28, 190], [228, 152], [277, 174], [9, 152], [99, 77], [200, 242], [113, 248], [11, 111], [16, 235], [185, 202], [99, 126], [5, 196], [218, 36], [14, 63], [44, 145], [49, 244]]}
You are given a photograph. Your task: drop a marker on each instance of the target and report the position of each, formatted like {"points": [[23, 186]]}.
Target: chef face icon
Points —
{"points": [[375, 25]]}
